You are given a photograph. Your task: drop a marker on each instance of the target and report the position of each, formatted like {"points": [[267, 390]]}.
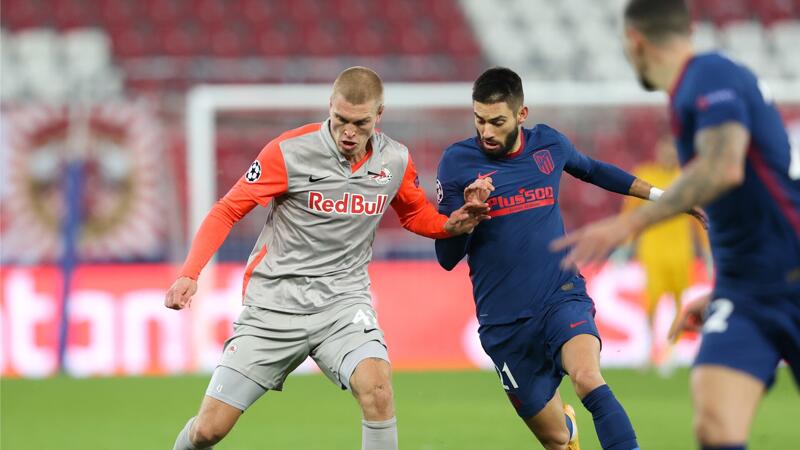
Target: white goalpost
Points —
{"points": [[205, 102]]}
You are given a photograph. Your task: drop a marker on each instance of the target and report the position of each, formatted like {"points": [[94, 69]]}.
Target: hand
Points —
{"points": [[701, 217], [691, 319], [479, 190], [465, 219], [180, 293], [593, 243]]}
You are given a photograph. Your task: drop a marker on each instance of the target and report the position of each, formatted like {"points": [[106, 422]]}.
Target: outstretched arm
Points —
{"points": [[718, 167], [419, 216], [614, 179], [265, 179]]}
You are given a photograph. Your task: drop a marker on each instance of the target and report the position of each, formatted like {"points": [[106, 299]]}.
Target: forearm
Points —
{"points": [[424, 221], [717, 168], [450, 251], [641, 189], [210, 236], [214, 230], [606, 176], [698, 184]]}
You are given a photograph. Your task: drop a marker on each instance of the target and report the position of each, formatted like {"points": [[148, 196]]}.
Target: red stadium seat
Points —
{"points": [[256, 12], [770, 11], [724, 11]]}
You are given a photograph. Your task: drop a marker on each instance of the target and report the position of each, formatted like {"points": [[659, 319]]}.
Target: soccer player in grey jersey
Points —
{"points": [[306, 287]]}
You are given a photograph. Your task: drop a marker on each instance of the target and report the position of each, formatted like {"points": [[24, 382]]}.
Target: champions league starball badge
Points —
{"points": [[253, 173]]}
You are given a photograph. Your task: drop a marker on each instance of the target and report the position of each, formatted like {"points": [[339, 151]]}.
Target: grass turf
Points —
{"points": [[445, 410]]}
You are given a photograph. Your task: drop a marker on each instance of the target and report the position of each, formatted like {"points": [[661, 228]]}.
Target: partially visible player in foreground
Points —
{"points": [[306, 287], [666, 251], [536, 319], [739, 163]]}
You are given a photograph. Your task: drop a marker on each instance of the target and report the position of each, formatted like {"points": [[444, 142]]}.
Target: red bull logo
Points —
{"points": [[522, 200], [355, 204]]}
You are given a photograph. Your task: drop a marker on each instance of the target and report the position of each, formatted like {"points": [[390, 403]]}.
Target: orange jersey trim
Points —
{"points": [[252, 267], [416, 213]]}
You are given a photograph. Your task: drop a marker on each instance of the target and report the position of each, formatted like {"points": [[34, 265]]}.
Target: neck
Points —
{"points": [[357, 156], [673, 58]]}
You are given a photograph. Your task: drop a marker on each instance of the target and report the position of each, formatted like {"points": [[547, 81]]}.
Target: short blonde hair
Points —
{"points": [[358, 85]]}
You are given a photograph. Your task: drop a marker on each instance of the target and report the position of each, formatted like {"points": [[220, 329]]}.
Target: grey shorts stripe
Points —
{"points": [[233, 388], [371, 349]]}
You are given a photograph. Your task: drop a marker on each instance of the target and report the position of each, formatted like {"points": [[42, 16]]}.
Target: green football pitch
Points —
{"points": [[443, 410]]}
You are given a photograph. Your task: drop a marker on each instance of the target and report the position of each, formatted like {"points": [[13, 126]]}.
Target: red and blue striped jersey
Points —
{"points": [[514, 273], [755, 227]]}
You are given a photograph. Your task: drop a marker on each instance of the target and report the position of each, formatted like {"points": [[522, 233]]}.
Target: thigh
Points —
{"points": [[342, 331], [266, 346], [528, 376], [733, 336], [567, 320], [233, 388], [782, 319], [725, 402]]}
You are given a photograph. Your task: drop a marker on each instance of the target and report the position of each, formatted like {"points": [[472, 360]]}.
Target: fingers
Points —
{"points": [[676, 328], [479, 189]]}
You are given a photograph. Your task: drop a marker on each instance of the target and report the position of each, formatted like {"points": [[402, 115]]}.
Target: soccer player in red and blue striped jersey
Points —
{"points": [[739, 164], [536, 318]]}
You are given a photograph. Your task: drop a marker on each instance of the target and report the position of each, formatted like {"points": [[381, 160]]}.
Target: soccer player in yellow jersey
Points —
{"points": [[666, 250]]}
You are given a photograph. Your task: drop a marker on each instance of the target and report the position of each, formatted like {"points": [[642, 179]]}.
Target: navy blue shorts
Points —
{"points": [[527, 353], [752, 334]]}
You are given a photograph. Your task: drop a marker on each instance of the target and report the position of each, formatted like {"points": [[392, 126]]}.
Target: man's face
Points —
{"points": [[353, 125], [497, 126], [636, 54]]}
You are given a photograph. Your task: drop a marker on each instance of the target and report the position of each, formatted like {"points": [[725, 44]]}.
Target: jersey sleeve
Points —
{"points": [[215, 229], [599, 173], [450, 195], [416, 213], [717, 98], [267, 177]]}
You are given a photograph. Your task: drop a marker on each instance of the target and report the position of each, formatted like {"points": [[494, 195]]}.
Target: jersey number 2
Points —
{"points": [[717, 321]]}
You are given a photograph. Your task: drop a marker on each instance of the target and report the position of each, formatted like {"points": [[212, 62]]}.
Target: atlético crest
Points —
{"points": [[544, 161]]}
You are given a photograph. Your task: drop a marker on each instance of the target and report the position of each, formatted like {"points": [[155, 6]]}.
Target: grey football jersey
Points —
{"points": [[316, 243]]}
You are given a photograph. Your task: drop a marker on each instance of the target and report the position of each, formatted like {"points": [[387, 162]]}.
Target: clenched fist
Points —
{"points": [[180, 293]]}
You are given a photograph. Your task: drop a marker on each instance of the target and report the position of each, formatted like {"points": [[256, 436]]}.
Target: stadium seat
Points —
{"points": [[705, 36], [744, 37], [87, 50]]}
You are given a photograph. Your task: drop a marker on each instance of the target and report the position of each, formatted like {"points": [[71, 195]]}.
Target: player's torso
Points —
{"points": [[318, 236], [512, 269], [755, 227]]}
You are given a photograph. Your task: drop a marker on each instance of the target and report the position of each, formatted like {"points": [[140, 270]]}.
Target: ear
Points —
{"points": [[634, 39], [380, 114], [522, 114]]}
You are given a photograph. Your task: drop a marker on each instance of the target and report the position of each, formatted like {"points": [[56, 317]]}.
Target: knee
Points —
{"points": [[555, 440], [586, 380], [376, 401], [205, 433]]}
